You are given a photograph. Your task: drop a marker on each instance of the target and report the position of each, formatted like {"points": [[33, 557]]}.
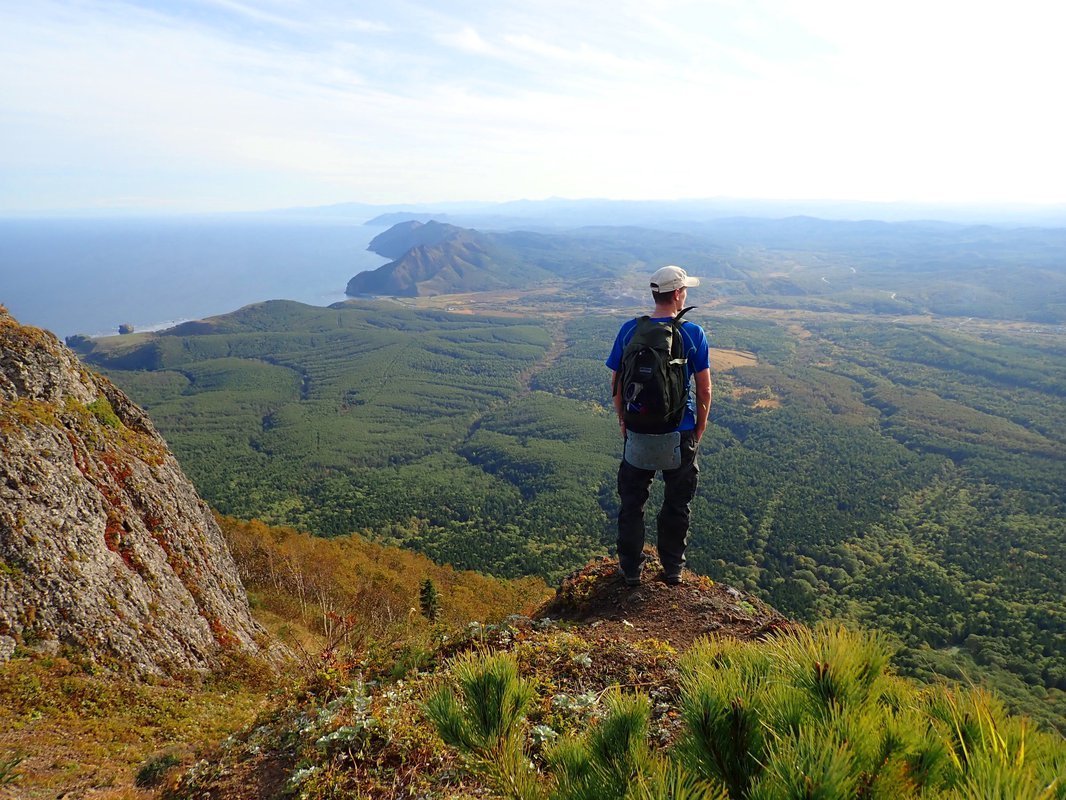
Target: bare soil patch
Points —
{"points": [[756, 398], [598, 596], [730, 359]]}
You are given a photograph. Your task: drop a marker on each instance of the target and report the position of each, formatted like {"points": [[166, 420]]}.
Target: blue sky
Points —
{"points": [[252, 104]]}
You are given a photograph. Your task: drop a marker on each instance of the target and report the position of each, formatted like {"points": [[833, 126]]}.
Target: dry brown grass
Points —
{"points": [[87, 735], [731, 359]]}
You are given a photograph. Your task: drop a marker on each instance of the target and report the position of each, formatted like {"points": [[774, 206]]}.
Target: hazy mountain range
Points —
{"points": [[899, 268], [565, 213]]}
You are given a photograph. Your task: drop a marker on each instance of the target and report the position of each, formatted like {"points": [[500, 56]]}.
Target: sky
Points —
{"points": [[215, 105]]}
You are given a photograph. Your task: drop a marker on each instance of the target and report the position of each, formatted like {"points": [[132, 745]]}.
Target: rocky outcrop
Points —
{"points": [[105, 546], [596, 595]]}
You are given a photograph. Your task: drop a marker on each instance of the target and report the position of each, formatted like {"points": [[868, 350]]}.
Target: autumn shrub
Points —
{"points": [[349, 592], [155, 769]]}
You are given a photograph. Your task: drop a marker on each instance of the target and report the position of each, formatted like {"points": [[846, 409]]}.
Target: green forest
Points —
{"points": [[906, 476]]}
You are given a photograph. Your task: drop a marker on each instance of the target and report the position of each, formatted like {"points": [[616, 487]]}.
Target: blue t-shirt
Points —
{"points": [[697, 351]]}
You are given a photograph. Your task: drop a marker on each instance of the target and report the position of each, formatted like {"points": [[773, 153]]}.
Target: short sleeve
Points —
{"points": [[614, 360], [699, 356]]}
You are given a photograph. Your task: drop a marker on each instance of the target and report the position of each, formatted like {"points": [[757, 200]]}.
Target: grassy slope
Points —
{"points": [[539, 709], [909, 476], [76, 729]]}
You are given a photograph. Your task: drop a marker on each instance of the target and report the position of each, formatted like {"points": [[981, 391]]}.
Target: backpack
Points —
{"points": [[653, 376]]}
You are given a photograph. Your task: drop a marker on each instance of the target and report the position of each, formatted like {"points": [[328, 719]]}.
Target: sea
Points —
{"points": [[89, 276]]}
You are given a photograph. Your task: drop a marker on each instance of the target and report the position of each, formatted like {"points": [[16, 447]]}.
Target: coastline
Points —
{"points": [[86, 278]]}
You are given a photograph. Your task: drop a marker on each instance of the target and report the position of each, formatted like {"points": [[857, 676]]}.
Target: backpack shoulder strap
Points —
{"points": [[680, 314], [677, 345], [618, 372]]}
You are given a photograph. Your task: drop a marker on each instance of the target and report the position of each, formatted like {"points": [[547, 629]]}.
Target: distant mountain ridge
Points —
{"points": [[898, 268], [439, 258], [404, 235], [558, 212]]}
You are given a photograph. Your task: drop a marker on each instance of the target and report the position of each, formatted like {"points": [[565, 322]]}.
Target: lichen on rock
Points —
{"points": [[105, 546]]}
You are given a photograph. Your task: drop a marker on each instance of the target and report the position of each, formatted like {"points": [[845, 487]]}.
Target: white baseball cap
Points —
{"points": [[667, 279]]}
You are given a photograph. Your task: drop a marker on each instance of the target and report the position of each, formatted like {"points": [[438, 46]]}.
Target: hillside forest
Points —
{"points": [[906, 475]]}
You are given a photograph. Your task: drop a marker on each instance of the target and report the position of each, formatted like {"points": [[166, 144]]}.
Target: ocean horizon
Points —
{"points": [[89, 276]]}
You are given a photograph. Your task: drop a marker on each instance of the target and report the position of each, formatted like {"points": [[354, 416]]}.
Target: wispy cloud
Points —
{"points": [[466, 39], [334, 100]]}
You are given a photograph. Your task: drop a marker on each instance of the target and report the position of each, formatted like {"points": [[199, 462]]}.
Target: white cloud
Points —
{"points": [[466, 39], [328, 101]]}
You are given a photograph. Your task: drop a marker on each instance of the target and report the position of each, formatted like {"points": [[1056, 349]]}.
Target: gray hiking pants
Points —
{"points": [[634, 486]]}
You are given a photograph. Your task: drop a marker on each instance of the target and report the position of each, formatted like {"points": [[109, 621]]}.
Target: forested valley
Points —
{"points": [[906, 475]]}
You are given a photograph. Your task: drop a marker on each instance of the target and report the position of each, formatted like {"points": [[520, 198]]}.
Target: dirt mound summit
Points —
{"points": [[596, 595]]}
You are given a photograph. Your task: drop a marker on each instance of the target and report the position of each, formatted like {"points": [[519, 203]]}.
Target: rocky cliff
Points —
{"points": [[105, 546]]}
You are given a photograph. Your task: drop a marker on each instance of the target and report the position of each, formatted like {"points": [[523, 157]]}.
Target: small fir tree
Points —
{"points": [[429, 599]]}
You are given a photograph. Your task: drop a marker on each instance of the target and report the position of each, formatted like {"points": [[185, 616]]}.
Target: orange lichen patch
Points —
{"points": [[113, 533], [117, 467], [222, 634], [117, 541], [731, 359], [81, 460]]}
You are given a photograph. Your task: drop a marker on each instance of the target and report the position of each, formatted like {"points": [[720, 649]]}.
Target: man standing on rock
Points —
{"points": [[661, 385]]}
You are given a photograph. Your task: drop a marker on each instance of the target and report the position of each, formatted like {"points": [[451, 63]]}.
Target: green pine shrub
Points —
{"points": [[815, 715], [610, 756], [8, 765], [668, 780], [484, 721], [429, 600], [728, 696], [818, 715]]}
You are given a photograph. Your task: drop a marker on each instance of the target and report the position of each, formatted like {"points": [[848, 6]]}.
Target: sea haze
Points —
{"points": [[91, 275]]}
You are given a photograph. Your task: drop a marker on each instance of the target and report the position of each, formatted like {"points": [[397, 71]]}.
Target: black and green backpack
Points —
{"points": [[653, 376]]}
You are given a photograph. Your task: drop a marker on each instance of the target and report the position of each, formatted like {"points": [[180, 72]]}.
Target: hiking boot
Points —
{"points": [[631, 572], [671, 578]]}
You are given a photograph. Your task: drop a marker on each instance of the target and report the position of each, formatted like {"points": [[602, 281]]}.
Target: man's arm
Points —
{"points": [[616, 398], [703, 401]]}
